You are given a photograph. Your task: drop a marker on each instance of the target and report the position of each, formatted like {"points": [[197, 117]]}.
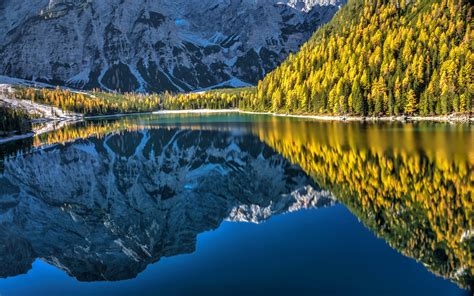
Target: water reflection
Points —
{"points": [[132, 193], [412, 185], [105, 208]]}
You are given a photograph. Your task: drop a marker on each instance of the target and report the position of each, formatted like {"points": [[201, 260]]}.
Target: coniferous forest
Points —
{"points": [[13, 120], [380, 58]]}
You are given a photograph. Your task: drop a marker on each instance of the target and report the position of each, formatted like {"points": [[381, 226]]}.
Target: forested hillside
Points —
{"points": [[379, 57], [98, 102], [93, 103], [375, 58]]}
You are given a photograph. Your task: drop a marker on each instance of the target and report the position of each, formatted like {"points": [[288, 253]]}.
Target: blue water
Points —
{"points": [[311, 252], [321, 251]]}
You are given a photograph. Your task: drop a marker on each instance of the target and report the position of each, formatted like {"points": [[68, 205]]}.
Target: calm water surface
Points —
{"points": [[234, 204]]}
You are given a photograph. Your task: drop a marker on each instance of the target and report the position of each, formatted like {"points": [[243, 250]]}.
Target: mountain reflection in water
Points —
{"points": [[103, 209], [118, 195]]}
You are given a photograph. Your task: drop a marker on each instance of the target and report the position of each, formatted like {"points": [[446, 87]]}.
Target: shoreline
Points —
{"points": [[47, 126], [447, 118], [58, 123], [49, 117]]}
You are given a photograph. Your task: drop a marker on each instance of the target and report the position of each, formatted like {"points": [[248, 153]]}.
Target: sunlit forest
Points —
{"points": [[91, 103], [419, 201], [379, 57], [214, 99], [98, 102]]}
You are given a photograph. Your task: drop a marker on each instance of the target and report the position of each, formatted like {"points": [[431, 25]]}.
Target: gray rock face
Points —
{"points": [[153, 45], [103, 209]]}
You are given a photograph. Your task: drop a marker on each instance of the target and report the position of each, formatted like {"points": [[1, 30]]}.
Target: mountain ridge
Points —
{"points": [[154, 46]]}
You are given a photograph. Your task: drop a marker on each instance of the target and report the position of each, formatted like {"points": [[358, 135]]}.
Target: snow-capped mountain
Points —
{"points": [[103, 209], [153, 45]]}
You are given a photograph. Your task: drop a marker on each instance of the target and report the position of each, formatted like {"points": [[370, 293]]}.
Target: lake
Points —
{"points": [[238, 204]]}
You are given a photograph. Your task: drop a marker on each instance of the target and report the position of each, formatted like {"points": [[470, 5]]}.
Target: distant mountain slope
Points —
{"points": [[153, 45], [378, 57]]}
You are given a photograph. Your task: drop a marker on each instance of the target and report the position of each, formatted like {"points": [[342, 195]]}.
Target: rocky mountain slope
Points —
{"points": [[103, 209], [153, 45]]}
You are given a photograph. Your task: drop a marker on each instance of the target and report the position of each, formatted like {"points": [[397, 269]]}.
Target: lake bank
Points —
{"points": [[38, 129], [45, 118], [66, 118], [448, 118]]}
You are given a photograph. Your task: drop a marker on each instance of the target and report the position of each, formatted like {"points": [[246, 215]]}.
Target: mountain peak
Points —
{"points": [[153, 46]]}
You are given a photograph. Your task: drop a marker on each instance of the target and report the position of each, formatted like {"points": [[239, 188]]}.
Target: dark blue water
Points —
{"points": [[311, 252], [143, 206]]}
